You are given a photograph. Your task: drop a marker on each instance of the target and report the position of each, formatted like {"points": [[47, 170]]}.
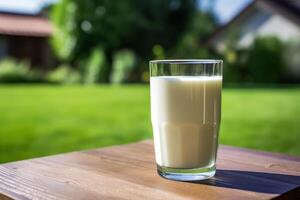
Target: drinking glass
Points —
{"points": [[185, 116]]}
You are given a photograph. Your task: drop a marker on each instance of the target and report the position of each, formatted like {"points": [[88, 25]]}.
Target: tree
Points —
{"points": [[261, 62], [265, 60], [80, 26], [190, 46]]}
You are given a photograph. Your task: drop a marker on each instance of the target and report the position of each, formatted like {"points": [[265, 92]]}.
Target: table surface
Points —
{"points": [[129, 172]]}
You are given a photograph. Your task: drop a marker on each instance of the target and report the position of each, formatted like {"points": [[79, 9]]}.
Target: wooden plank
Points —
{"points": [[129, 172]]}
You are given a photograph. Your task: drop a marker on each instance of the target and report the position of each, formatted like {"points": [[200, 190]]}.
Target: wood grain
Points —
{"points": [[129, 172]]}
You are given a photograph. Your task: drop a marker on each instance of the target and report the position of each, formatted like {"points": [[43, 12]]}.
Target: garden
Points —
{"points": [[98, 93], [39, 120]]}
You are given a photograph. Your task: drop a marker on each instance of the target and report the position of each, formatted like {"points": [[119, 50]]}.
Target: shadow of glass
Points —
{"points": [[254, 181]]}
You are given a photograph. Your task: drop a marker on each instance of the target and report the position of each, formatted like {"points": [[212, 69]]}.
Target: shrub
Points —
{"points": [[262, 62], [64, 75], [12, 71], [265, 60], [123, 64], [231, 69], [292, 59], [95, 67]]}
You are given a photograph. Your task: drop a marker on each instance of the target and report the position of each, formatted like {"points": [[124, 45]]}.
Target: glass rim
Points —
{"points": [[186, 61]]}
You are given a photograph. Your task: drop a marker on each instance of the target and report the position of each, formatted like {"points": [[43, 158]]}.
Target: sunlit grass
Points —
{"points": [[42, 120]]}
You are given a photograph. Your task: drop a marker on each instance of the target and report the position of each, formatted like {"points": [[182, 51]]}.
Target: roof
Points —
{"points": [[287, 8], [24, 25]]}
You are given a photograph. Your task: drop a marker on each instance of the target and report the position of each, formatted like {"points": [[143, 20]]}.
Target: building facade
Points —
{"points": [[25, 37]]}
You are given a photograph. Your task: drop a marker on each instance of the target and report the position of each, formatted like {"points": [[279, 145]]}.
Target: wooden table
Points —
{"points": [[129, 172]]}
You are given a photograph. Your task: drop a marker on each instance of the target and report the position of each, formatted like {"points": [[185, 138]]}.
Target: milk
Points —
{"points": [[185, 115]]}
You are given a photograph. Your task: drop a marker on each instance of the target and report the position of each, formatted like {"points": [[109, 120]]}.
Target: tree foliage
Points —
{"points": [[261, 62], [203, 24], [95, 67], [135, 24], [123, 63]]}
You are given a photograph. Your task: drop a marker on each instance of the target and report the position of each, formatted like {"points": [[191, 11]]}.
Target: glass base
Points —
{"points": [[194, 174]]}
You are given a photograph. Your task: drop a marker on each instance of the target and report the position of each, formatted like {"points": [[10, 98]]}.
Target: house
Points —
{"points": [[279, 18], [26, 37]]}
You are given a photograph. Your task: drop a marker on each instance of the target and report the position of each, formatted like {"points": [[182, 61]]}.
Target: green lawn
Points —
{"points": [[40, 120]]}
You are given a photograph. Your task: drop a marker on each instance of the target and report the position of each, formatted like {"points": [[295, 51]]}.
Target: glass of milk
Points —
{"points": [[185, 116]]}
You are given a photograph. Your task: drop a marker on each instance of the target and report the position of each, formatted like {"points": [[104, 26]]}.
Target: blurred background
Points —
{"points": [[74, 74]]}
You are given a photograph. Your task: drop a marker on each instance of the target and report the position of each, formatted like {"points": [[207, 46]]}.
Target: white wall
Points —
{"points": [[276, 25], [259, 22]]}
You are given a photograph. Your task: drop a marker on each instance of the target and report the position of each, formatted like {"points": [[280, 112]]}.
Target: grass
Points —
{"points": [[40, 120]]}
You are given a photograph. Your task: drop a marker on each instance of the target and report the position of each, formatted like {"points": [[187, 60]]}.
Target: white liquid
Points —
{"points": [[185, 115]]}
